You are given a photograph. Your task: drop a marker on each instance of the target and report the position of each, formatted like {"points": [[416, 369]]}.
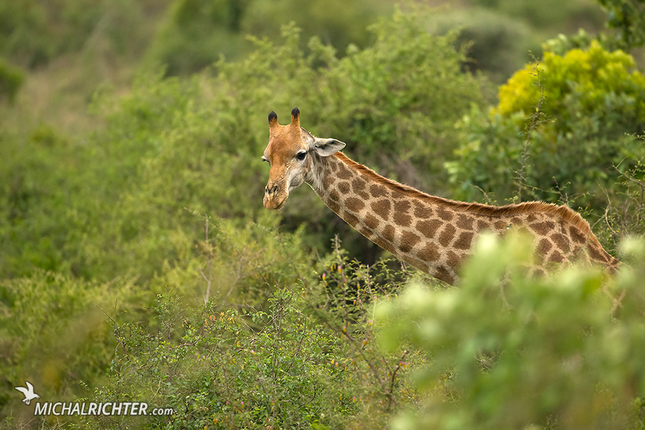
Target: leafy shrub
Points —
{"points": [[582, 79], [337, 23], [54, 333], [196, 33], [526, 352], [627, 17], [497, 44], [305, 358], [92, 206], [11, 79], [624, 213], [588, 99], [32, 33], [550, 16]]}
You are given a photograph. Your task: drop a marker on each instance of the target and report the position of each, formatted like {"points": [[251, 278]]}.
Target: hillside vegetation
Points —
{"points": [[138, 264]]}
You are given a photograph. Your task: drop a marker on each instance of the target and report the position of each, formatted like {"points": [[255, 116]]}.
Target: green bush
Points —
{"points": [[196, 33], [337, 23], [625, 209], [94, 205], [550, 16], [524, 353], [497, 44], [55, 334], [305, 358], [11, 79], [627, 17], [587, 101], [32, 33]]}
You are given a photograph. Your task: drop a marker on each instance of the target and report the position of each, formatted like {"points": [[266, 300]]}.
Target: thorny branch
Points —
{"points": [[537, 119]]}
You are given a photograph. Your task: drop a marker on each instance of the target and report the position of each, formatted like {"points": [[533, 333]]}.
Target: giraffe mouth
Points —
{"points": [[271, 204]]}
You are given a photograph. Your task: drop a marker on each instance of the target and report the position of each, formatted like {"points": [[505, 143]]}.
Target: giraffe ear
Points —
{"points": [[327, 147]]}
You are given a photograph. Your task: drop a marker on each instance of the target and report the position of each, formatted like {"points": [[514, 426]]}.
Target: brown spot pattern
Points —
{"points": [[577, 235], [542, 228], [371, 221], [544, 247], [442, 274], [350, 219], [596, 255], [408, 240], [429, 228], [397, 195], [343, 187], [559, 241], [354, 204], [556, 256], [401, 216], [447, 234], [452, 259], [358, 186], [344, 172], [402, 220], [378, 191], [402, 207], [388, 233], [416, 262], [464, 240], [444, 214], [465, 222], [500, 225], [428, 252], [482, 225], [422, 211], [382, 208]]}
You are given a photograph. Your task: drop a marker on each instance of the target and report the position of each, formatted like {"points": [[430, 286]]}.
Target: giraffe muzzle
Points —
{"points": [[274, 197]]}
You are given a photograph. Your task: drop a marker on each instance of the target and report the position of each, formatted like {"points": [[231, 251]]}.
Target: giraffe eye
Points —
{"points": [[264, 159], [301, 155]]}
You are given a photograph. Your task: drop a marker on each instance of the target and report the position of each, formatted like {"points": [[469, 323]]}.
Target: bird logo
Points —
{"points": [[28, 392]]}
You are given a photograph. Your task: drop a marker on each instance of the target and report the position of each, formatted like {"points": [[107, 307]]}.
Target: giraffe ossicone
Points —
{"points": [[431, 233]]}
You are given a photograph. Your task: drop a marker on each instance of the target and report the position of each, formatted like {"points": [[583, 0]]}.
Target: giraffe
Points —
{"points": [[431, 233]]}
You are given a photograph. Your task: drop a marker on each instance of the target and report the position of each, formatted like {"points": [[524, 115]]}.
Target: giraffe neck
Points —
{"points": [[436, 234], [416, 230]]}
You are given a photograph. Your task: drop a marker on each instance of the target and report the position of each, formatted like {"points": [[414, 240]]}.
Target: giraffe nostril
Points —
{"points": [[271, 190]]}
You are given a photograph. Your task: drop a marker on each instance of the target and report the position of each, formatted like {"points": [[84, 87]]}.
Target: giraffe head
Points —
{"points": [[291, 152]]}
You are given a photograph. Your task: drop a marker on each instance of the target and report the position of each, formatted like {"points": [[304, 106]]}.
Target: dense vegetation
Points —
{"points": [[138, 264]]}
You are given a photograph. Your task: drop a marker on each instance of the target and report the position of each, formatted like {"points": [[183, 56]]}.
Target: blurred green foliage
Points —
{"points": [[11, 79], [32, 33], [549, 15], [628, 16], [93, 207], [521, 352], [128, 200], [138, 263], [54, 332], [581, 106], [497, 44], [196, 33], [304, 358]]}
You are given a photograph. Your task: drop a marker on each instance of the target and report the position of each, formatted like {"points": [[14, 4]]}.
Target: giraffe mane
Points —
{"points": [[565, 213]]}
